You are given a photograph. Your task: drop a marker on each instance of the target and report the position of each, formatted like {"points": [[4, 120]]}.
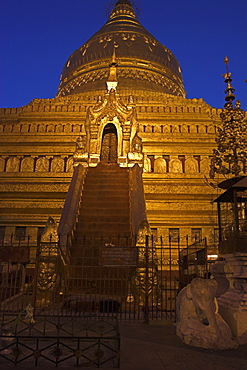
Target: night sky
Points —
{"points": [[37, 38]]}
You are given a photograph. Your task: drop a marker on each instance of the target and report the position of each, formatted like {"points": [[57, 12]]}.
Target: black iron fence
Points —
{"points": [[56, 340], [104, 278], [194, 262], [65, 308]]}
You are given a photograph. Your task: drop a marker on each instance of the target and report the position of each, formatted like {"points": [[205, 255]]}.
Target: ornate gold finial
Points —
{"points": [[229, 89], [123, 7], [230, 157], [226, 61], [112, 79], [113, 58]]}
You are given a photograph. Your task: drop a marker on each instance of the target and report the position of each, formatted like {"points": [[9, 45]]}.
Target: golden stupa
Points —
{"points": [[121, 99]]}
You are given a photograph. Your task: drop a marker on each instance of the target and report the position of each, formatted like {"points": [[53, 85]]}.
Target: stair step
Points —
{"points": [[105, 192], [103, 208], [81, 242], [107, 167], [110, 201], [110, 227], [105, 186], [103, 218], [102, 235], [122, 176], [107, 173]]}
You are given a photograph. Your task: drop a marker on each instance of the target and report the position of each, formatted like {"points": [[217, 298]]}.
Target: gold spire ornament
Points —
{"points": [[230, 157], [112, 81]]}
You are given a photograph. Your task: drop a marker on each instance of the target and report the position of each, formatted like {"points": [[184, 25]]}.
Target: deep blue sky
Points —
{"points": [[37, 37]]}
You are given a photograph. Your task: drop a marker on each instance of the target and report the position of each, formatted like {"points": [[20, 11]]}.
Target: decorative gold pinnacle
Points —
{"points": [[112, 79], [231, 155], [229, 90]]}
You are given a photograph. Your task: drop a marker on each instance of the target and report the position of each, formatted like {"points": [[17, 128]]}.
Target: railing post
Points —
{"points": [[170, 270], [146, 281], [206, 258], [179, 263], [187, 279], [36, 273]]}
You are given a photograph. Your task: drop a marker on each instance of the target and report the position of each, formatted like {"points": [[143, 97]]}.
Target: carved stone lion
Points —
{"points": [[198, 323]]}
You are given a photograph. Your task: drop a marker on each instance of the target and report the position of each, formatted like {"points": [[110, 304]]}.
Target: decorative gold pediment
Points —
{"points": [[110, 108]]}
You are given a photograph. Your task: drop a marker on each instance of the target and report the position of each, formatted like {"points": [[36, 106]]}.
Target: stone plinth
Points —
{"points": [[233, 303]]}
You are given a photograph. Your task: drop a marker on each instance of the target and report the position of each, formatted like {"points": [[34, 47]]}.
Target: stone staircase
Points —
{"points": [[103, 221], [104, 210]]}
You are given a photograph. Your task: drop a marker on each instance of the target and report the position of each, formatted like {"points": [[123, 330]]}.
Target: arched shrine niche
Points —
{"points": [[109, 144], [27, 164], [2, 164], [13, 164], [160, 165]]}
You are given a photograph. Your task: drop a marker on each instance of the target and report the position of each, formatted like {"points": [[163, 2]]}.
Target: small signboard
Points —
{"points": [[14, 254], [118, 256]]}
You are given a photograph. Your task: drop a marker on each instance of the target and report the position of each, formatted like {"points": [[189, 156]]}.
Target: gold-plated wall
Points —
{"points": [[178, 135]]}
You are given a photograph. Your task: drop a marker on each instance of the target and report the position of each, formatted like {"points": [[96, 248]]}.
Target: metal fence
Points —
{"points": [[194, 262], [104, 278], [60, 340], [64, 307]]}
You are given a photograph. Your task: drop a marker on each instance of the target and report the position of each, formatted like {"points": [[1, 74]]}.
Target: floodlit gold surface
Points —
{"points": [[144, 63], [38, 141]]}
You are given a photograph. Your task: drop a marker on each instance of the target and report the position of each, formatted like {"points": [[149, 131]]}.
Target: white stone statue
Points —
{"points": [[198, 323]]}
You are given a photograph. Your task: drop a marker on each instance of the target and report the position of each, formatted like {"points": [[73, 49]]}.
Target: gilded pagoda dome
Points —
{"points": [[144, 64]]}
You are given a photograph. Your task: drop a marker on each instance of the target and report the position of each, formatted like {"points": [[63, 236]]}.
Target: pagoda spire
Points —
{"points": [[123, 7], [126, 2], [229, 89], [112, 81], [230, 157]]}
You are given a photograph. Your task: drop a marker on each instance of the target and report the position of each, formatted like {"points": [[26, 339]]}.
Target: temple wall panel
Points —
{"points": [[27, 187], [38, 141], [17, 204]]}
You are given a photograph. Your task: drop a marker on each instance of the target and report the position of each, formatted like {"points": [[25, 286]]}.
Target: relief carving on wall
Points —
{"points": [[2, 164], [42, 164], [13, 164], [69, 164], [160, 165], [205, 165], [191, 165], [175, 166], [27, 164], [123, 73], [147, 164], [57, 164]]}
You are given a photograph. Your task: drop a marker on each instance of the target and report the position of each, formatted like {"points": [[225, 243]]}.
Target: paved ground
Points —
{"points": [[155, 347]]}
